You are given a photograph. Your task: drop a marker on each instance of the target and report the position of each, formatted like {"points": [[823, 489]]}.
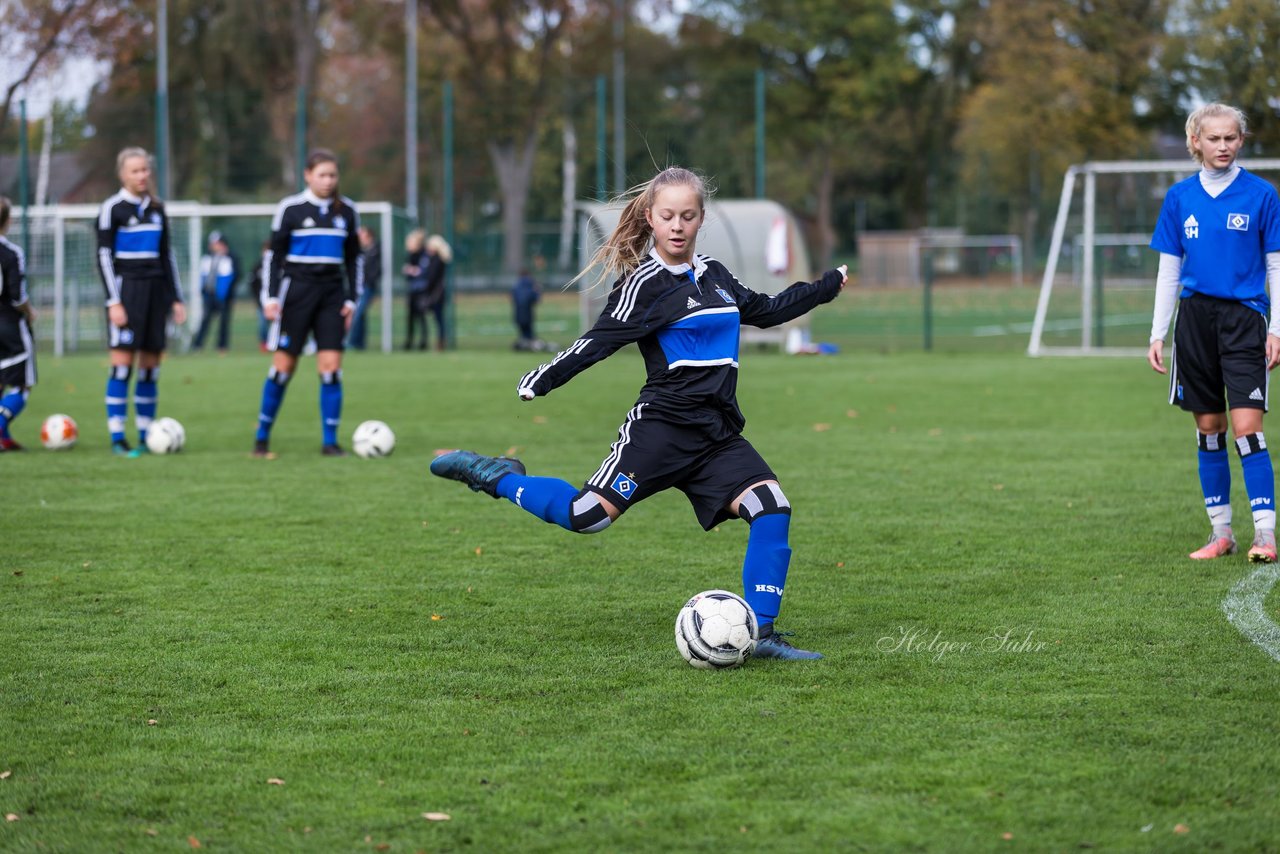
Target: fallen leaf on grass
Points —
{"points": [[193, 842], [821, 427], [840, 564], [382, 846], [5, 775], [11, 816], [274, 781], [436, 617], [479, 551], [436, 816], [152, 722], [151, 831], [1181, 828], [539, 419], [852, 413], [998, 487], [1006, 836], [18, 572]]}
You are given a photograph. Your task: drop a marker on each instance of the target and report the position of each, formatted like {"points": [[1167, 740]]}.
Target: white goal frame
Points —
{"points": [[195, 213], [1089, 240]]}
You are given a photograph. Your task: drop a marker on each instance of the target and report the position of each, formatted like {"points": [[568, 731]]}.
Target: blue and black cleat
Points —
{"points": [[477, 471], [776, 645]]}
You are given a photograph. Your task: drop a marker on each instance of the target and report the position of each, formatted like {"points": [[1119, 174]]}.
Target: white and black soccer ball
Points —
{"points": [[166, 436], [716, 629], [59, 432], [373, 439]]}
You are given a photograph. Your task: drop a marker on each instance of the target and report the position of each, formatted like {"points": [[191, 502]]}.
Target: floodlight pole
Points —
{"points": [[619, 99], [602, 147], [760, 133], [164, 184], [22, 179], [447, 204], [411, 107]]}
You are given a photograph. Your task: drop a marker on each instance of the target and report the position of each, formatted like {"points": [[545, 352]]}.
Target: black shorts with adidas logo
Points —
{"points": [[1219, 356]]}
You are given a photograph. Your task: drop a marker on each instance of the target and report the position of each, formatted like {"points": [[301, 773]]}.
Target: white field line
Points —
{"points": [[1065, 325], [1245, 608]]}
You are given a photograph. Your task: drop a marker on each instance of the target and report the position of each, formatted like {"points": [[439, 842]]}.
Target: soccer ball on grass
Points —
{"points": [[373, 439], [166, 436], [716, 629], [59, 432]]}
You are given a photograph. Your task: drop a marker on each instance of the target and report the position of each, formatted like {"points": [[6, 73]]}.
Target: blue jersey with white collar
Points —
{"points": [[1222, 241], [685, 320]]}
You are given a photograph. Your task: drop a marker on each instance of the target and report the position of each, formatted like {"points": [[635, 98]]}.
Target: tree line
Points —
{"points": [[878, 113]]}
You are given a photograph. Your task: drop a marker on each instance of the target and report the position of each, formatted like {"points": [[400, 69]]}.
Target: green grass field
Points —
{"points": [[990, 550]]}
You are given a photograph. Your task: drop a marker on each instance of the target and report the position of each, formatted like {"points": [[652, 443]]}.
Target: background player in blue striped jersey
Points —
{"points": [[140, 275], [17, 348], [314, 242], [1218, 236], [683, 310]]}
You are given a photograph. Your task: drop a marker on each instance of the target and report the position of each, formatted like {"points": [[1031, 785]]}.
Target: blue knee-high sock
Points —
{"points": [[764, 569], [330, 405], [1215, 478], [117, 400], [548, 498], [145, 397], [1259, 479], [11, 406], [272, 396]]}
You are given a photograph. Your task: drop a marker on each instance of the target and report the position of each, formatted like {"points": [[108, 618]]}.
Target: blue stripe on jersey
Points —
{"points": [[138, 241], [316, 245], [703, 338]]}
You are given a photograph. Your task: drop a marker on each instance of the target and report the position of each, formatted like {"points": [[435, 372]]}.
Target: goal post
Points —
{"points": [[1070, 318], [65, 287]]}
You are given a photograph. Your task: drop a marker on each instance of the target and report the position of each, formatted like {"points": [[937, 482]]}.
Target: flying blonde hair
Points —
{"points": [[440, 246], [1212, 111], [624, 249]]}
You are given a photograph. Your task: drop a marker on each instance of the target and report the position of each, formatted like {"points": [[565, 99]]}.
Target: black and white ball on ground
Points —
{"points": [[166, 436], [59, 432], [716, 629], [373, 439]]}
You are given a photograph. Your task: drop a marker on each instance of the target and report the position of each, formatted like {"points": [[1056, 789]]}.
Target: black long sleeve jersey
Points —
{"points": [[133, 242], [311, 242], [13, 277], [685, 320]]}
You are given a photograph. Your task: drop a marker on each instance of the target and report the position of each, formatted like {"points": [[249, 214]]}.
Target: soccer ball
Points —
{"points": [[59, 432], [716, 629], [166, 436], [373, 439]]}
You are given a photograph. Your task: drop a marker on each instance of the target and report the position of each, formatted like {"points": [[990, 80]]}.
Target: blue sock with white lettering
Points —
{"points": [[548, 498], [11, 406], [330, 405], [117, 400], [1215, 478], [272, 396], [145, 398], [764, 569], [1259, 480]]}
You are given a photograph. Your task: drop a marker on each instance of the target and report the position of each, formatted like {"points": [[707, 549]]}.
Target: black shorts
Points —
{"points": [[1218, 344], [652, 454], [308, 307], [17, 351], [146, 302]]}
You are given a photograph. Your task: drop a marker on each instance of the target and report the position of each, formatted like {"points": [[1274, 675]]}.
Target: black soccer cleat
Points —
{"points": [[479, 472], [776, 645], [121, 448], [333, 451], [262, 450]]}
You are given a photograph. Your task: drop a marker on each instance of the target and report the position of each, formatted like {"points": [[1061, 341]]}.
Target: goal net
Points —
{"points": [[66, 289], [1098, 290]]}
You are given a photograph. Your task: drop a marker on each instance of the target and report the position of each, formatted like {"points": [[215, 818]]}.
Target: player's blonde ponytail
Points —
{"points": [[627, 246]]}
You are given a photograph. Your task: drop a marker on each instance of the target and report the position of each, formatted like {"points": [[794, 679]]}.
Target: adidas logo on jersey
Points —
{"points": [[1256, 394], [1191, 227], [693, 303], [308, 223]]}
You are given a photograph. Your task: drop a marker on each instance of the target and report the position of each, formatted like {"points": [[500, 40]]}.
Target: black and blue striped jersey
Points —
{"points": [[686, 321], [13, 277], [133, 242], [312, 240]]}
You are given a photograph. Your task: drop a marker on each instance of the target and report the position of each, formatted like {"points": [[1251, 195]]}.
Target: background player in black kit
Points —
{"points": [[685, 431], [313, 242], [140, 274], [17, 350]]}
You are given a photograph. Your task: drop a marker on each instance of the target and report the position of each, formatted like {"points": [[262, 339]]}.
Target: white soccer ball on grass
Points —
{"points": [[373, 439], [166, 436], [716, 629], [59, 432]]}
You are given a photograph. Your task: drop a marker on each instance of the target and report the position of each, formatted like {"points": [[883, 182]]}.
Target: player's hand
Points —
{"points": [[179, 313], [271, 310], [116, 314], [526, 393], [1155, 354], [1273, 351], [348, 311], [844, 275], [29, 311]]}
